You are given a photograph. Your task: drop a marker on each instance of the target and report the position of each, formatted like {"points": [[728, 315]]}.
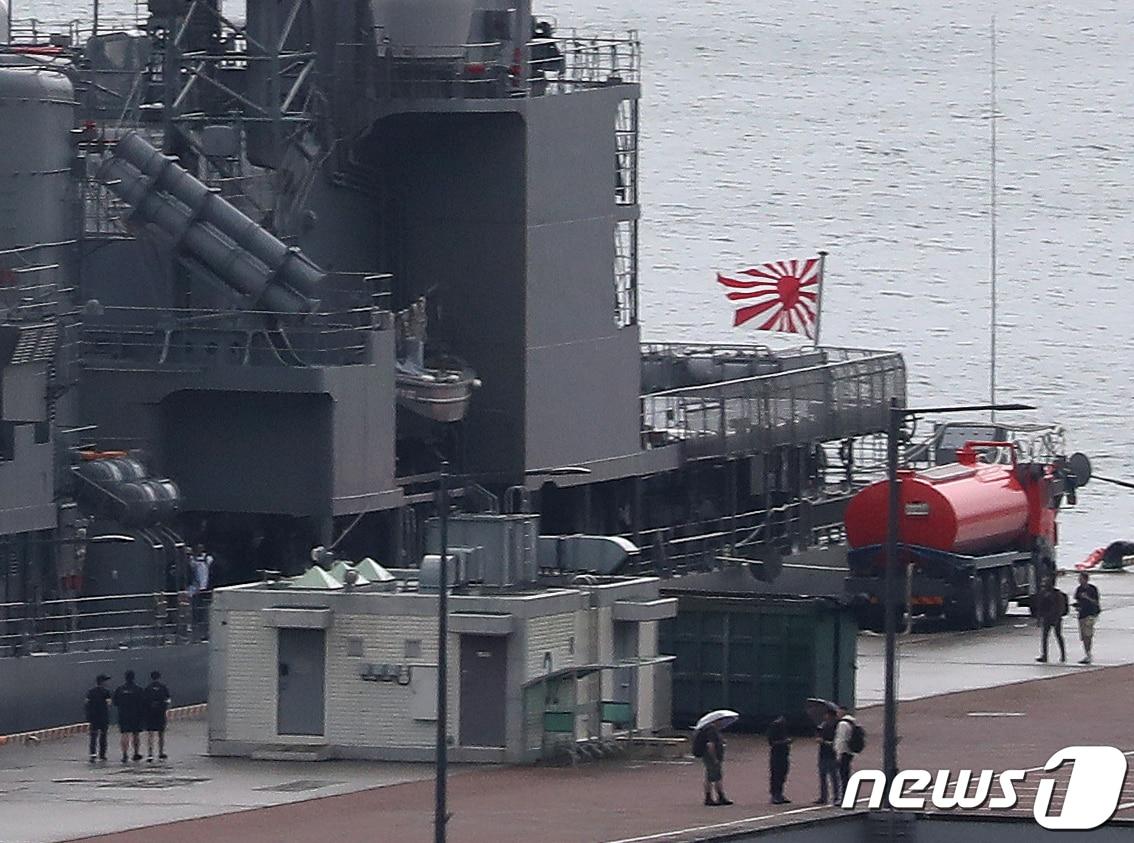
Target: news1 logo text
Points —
{"points": [[1094, 788]]}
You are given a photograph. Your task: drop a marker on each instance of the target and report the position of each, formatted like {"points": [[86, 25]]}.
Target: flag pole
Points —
{"points": [[992, 221], [819, 294]]}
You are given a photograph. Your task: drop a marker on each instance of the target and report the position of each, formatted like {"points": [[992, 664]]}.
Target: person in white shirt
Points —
{"points": [[843, 752], [199, 565]]}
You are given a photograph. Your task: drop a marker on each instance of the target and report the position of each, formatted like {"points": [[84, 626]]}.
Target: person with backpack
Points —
{"points": [[1050, 607], [1088, 606], [708, 745], [850, 740], [157, 703], [828, 763]]}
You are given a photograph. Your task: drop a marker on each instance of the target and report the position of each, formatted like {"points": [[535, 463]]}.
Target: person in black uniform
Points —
{"points": [[98, 717], [130, 702], [1050, 605], [1087, 603], [779, 759], [157, 703]]}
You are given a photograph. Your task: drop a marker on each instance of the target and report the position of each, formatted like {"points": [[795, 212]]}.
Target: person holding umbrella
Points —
{"points": [[709, 746], [825, 714]]}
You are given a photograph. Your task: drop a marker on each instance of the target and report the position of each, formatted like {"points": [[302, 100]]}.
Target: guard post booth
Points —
{"points": [[342, 663]]}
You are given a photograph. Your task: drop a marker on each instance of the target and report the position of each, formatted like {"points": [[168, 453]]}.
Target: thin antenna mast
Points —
{"points": [[992, 220]]}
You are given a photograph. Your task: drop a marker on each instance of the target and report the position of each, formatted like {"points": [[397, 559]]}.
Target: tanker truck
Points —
{"points": [[972, 536]]}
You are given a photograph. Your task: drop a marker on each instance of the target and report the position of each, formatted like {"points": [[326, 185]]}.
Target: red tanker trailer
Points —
{"points": [[972, 536]]}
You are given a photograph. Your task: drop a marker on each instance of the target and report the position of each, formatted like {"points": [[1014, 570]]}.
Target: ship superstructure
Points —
{"points": [[278, 270]]}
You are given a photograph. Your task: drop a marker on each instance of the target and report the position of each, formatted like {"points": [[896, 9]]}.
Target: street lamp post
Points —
{"points": [[440, 815], [890, 709], [441, 771], [897, 415]]}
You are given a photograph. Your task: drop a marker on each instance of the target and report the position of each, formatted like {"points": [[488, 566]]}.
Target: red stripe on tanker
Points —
{"points": [[960, 508]]}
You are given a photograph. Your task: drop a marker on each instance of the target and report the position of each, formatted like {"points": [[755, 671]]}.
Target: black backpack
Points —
{"points": [[700, 741], [857, 742]]}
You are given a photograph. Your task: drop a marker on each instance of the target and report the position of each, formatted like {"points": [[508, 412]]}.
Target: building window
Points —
{"points": [[354, 647], [413, 648]]}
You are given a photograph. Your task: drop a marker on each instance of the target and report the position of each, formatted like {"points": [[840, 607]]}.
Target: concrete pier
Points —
{"points": [[957, 713]]}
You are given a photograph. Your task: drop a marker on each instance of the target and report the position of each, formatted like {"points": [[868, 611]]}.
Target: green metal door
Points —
{"points": [[760, 656]]}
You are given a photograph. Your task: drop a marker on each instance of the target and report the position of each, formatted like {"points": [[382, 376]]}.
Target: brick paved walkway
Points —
{"points": [[1018, 726]]}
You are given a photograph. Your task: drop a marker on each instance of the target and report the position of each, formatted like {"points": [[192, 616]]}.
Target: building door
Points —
{"points": [[483, 674], [299, 707], [625, 649]]}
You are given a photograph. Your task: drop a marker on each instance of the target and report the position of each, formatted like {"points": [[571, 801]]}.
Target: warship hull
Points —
{"points": [[243, 238]]}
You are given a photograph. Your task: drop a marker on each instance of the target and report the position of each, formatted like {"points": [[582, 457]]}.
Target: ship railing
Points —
{"points": [[102, 623], [800, 406], [669, 366], [711, 347], [592, 60], [493, 69], [830, 354], [698, 545], [69, 32], [198, 337], [104, 214]]}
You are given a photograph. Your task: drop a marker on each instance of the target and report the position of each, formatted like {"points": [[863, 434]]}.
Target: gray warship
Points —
{"points": [[261, 278]]}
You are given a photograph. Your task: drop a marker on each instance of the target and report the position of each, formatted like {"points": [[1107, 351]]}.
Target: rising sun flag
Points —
{"points": [[784, 295]]}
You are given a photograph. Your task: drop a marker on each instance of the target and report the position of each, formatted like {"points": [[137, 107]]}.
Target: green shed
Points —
{"points": [[759, 655]]}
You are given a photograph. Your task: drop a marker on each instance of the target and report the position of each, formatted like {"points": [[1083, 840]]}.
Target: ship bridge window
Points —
{"points": [[7, 441], [626, 273]]}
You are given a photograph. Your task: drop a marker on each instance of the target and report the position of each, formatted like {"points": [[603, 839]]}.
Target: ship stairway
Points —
{"points": [[282, 348], [300, 164]]}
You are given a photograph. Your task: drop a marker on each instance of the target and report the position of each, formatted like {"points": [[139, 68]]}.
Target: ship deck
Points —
{"points": [[969, 720]]}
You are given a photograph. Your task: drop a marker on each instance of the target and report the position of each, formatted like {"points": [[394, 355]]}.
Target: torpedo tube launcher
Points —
{"points": [[972, 536]]}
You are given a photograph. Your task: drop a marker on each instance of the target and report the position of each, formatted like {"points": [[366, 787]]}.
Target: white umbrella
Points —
{"points": [[722, 718], [817, 708]]}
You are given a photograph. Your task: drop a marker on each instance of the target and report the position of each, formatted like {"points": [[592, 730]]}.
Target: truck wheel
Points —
{"points": [[977, 603], [1007, 591], [991, 598]]}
